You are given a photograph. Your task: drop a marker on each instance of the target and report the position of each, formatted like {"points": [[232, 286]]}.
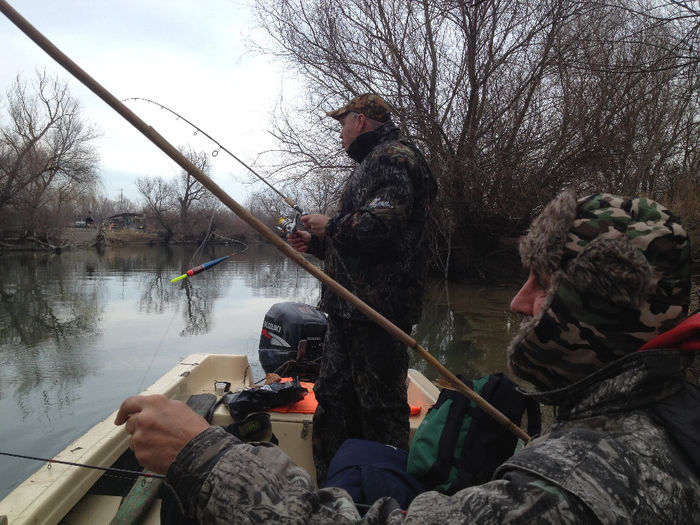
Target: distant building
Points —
{"points": [[125, 221]]}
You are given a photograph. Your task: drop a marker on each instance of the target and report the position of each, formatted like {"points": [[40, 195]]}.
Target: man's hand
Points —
{"points": [[299, 240], [315, 223], [159, 428]]}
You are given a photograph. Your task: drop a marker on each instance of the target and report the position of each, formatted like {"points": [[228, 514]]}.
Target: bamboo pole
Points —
{"points": [[252, 221]]}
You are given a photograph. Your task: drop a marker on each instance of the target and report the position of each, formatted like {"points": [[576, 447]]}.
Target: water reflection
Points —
{"points": [[82, 330], [37, 306], [466, 327], [39, 309], [62, 301]]}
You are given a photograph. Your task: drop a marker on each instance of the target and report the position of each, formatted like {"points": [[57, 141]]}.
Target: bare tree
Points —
{"points": [[182, 207], [158, 199], [510, 99], [197, 208], [461, 79], [46, 149], [187, 190]]}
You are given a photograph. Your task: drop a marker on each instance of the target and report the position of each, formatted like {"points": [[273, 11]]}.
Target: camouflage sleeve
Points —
{"points": [[218, 479], [317, 246], [518, 498], [384, 213]]}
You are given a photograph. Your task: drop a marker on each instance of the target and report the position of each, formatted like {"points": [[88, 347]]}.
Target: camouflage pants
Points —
{"points": [[361, 390]]}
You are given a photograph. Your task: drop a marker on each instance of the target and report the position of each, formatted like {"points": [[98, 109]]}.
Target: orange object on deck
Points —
{"points": [[309, 403]]}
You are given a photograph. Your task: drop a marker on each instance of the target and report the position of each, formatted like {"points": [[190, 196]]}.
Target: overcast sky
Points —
{"points": [[189, 55]]}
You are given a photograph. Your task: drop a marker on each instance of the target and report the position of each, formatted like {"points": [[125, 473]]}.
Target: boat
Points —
{"points": [[60, 493]]}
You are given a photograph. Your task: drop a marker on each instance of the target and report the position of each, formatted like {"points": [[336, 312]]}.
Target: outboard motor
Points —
{"points": [[291, 340]]}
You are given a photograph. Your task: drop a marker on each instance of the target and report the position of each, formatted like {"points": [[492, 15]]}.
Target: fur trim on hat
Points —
{"points": [[543, 246]]}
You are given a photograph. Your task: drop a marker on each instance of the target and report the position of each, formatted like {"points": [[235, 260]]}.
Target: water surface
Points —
{"points": [[82, 330]]}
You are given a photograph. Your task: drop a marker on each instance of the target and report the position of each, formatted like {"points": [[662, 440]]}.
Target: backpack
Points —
{"points": [[458, 445]]}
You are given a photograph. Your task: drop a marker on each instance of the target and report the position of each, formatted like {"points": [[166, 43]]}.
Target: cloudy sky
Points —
{"points": [[192, 56]]}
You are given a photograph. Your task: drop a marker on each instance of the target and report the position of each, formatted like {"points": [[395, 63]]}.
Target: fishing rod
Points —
{"points": [[255, 223], [112, 470], [214, 153]]}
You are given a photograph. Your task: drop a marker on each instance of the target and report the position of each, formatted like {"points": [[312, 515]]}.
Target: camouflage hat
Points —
{"points": [[620, 275], [370, 105]]}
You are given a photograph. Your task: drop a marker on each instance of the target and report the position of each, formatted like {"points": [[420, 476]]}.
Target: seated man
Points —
{"points": [[609, 276]]}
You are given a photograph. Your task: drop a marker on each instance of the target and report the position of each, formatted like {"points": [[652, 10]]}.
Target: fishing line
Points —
{"points": [[160, 344], [153, 357], [200, 248], [220, 146], [112, 470]]}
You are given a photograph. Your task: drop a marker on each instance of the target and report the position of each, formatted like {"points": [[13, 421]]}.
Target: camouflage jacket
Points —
{"points": [[375, 245], [625, 448]]}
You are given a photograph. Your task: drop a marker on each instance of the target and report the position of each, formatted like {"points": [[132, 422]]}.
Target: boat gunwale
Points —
{"points": [[64, 486]]}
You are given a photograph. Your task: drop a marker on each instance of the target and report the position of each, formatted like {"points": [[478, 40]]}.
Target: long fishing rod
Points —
{"points": [[214, 153], [111, 470], [167, 148]]}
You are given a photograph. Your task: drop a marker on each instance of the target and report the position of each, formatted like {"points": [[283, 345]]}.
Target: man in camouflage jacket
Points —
{"points": [[375, 246], [605, 340]]}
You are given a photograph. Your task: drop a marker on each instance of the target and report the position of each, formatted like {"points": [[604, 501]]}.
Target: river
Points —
{"points": [[82, 330]]}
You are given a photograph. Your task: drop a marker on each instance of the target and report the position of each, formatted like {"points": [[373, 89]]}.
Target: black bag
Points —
{"points": [[243, 402], [458, 445]]}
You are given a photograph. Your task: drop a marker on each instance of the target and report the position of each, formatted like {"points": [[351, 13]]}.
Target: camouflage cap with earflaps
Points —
{"points": [[620, 275]]}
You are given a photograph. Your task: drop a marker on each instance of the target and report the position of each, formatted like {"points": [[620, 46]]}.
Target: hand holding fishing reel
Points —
{"points": [[289, 225]]}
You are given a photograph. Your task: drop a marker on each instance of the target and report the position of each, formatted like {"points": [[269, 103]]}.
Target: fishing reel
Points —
{"points": [[288, 225]]}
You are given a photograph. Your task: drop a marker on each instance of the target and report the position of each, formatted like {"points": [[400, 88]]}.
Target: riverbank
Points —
{"points": [[82, 237], [76, 238]]}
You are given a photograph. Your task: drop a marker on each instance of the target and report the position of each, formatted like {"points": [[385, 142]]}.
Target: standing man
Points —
{"points": [[375, 246]]}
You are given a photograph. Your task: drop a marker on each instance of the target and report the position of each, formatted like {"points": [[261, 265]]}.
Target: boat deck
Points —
{"points": [[61, 493]]}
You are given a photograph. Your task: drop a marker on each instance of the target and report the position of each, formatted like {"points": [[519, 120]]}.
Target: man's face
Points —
{"points": [[529, 299], [352, 126]]}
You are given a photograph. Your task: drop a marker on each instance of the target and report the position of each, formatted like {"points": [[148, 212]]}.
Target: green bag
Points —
{"points": [[458, 445]]}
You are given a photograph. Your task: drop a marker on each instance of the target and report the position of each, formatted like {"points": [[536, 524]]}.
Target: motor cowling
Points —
{"points": [[291, 340]]}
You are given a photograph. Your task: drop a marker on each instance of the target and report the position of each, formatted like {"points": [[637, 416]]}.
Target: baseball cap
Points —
{"points": [[369, 104]]}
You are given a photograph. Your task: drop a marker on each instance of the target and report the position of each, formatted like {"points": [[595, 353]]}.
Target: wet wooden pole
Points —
{"points": [[252, 221]]}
